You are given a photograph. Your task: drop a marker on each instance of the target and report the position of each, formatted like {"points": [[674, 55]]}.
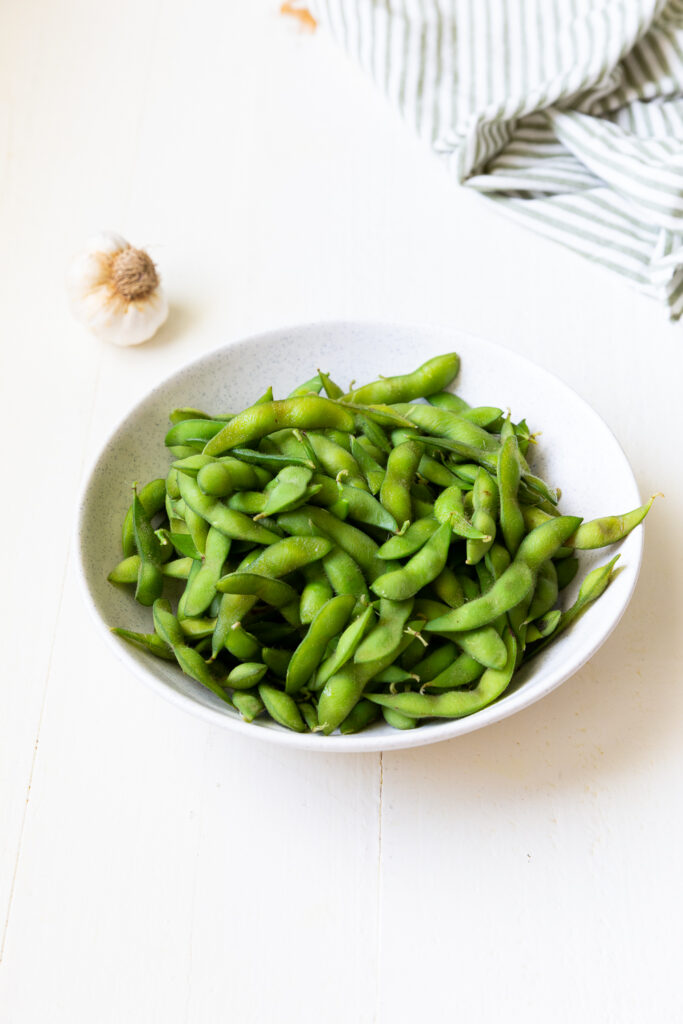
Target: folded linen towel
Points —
{"points": [[567, 113]]}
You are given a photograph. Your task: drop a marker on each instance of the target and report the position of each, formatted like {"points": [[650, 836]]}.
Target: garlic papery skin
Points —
{"points": [[114, 290]]}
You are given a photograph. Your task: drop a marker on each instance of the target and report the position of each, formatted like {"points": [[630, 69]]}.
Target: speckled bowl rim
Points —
{"points": [[372, 740]]}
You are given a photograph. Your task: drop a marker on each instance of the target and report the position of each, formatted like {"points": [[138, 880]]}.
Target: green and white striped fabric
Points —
{"points": [[567, 113]]}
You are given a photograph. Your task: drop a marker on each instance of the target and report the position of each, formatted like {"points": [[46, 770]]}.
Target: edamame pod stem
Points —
{"points": [[309, 413], [598, 533], [233, 524], [456, 704], [329, 621], [422, 568], [434, 375]]}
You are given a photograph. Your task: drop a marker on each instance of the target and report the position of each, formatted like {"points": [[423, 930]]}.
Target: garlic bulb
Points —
{"points": [[114, 290]]}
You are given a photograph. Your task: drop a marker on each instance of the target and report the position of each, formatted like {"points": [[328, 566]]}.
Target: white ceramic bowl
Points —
{"points": [[577, 452]]}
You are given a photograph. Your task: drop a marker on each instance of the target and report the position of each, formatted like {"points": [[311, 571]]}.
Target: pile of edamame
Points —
{"points": [[329, 560]]}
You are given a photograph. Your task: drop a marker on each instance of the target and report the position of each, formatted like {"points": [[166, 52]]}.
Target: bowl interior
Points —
{"points": [[576, 452]]}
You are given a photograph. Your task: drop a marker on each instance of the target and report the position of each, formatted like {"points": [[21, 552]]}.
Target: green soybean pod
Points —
{"points": [[541, 628], [433, 375], [201, 591], [462, 671], [451, 427], [336, 461], [406, 544], [282, 708], [395, 490], [290, 554], [447, 400], [233, 524], [386, 635], [328, 623], [486, 502], [277, 660], [311, 521], [150, 580], [360, 717], [423, 567], [373, 472], [457, 703], [314, 596], [248, 703], [241, 644], [193, 433], [436, 472], [345, 576], [152, 497], [598, 533], [545, 593], [435, 662], [373, 433], [193, 665], [314, 385], [448, 588], [149, 642], [397, 720], [310, 715], [346, 648], [308, 413], [126, 571], [343, 690], [246, 675], [232, 609], [593, 586], [509, 476], [449, 508]]}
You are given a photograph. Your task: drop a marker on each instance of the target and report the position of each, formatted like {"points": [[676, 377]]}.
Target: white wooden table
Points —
{"points": [[155, 869]]}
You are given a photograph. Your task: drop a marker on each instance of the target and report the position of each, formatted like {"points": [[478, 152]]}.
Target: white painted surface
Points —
{"points": [[153, 868]]}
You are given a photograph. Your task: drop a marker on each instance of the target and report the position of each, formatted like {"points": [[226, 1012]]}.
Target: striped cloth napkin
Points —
{"points": [[567, 113]]}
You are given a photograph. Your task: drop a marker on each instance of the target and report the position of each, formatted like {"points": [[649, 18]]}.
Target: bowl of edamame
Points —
{"points": [[352, 537]]}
